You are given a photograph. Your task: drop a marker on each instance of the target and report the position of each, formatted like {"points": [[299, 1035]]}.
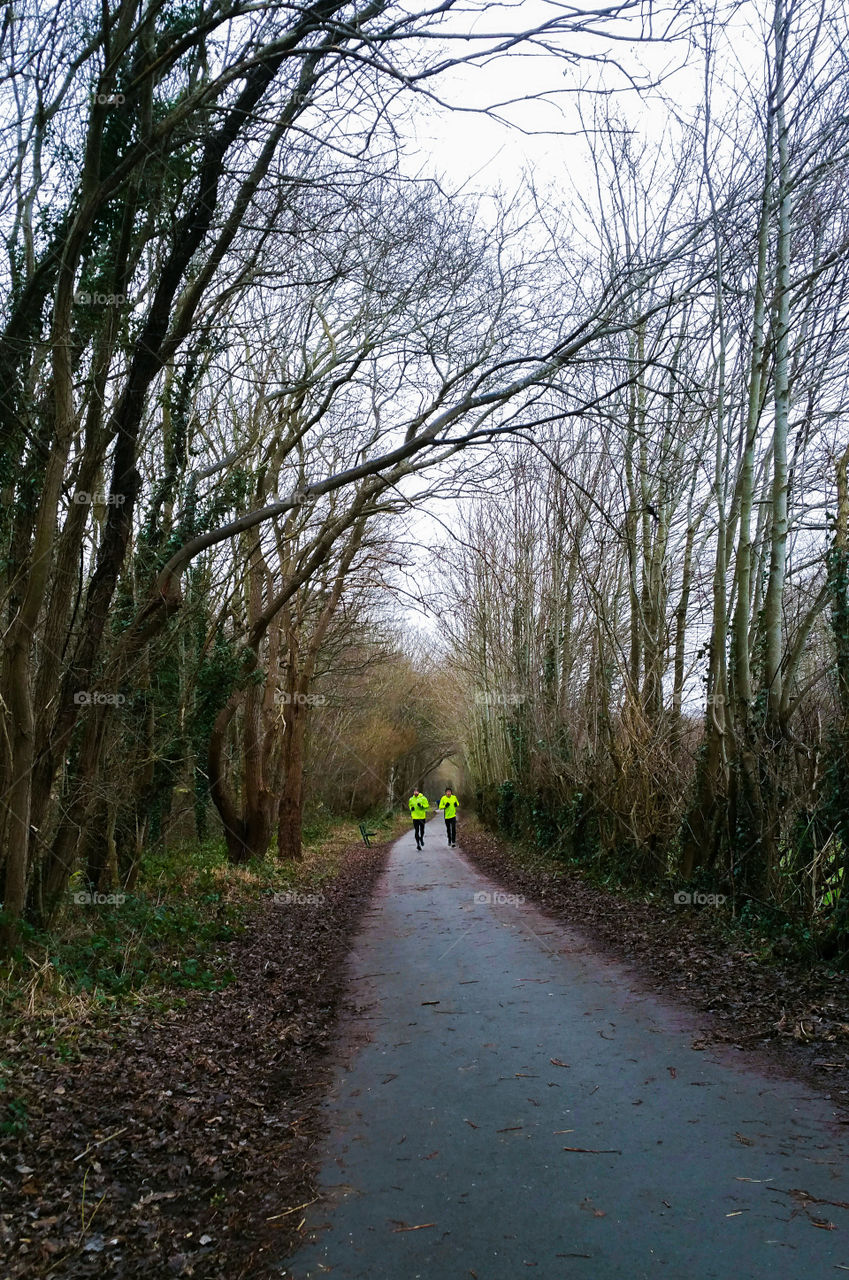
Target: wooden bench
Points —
{"points": [[365, 835]]}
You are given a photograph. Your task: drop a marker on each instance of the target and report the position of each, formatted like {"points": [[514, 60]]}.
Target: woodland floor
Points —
{"points": [[795, 1014], [179, 1143]]}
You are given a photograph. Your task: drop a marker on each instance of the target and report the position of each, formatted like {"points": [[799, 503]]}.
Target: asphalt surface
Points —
{"points": [[487, 1041]]}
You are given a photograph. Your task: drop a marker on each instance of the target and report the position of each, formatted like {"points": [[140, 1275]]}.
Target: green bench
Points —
{"points": [[365, 835]]}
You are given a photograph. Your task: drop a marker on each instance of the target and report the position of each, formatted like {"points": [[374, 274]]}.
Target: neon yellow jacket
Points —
{"points": [[419, 806], [450, 804]]}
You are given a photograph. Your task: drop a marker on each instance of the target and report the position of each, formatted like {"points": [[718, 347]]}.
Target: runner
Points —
{"points": [[419, 805], [449, 803]]}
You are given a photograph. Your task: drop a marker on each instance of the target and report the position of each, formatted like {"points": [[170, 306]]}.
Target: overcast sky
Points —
{"points": [[473, 144], [474, 141]]}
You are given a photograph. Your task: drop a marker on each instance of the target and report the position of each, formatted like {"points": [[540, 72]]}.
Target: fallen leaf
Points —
{"points": [[799, 1194]]}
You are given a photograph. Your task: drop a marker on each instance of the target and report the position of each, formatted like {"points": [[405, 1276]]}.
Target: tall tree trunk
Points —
{"points": [[746, 802], [290, 810]]}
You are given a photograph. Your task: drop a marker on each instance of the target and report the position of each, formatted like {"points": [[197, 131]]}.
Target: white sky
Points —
{"points": [[470, 148], [465, 145]]}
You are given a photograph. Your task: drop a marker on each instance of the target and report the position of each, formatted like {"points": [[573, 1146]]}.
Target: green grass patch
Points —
{"points": [[153, 946]]}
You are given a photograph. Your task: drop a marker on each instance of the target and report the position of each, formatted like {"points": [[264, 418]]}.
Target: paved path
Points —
{"points": [[455, 1110]]}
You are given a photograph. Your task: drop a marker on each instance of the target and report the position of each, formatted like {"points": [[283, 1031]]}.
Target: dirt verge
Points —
{"points": [[181, 1143]]}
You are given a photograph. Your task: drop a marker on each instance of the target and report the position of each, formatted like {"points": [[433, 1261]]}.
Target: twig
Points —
{"points": [[92, 1145], [287, 1211], [592, 1151]]}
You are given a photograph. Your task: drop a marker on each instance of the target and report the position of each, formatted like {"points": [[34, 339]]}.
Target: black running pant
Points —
{"points": [[451, 828], [418, 827]]}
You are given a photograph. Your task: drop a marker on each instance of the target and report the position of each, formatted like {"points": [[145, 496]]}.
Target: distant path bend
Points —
{"points": [[489, 1041]]}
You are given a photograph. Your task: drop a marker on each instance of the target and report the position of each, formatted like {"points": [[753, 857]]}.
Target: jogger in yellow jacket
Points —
{"points": [[450, 804], [419, 805]]}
